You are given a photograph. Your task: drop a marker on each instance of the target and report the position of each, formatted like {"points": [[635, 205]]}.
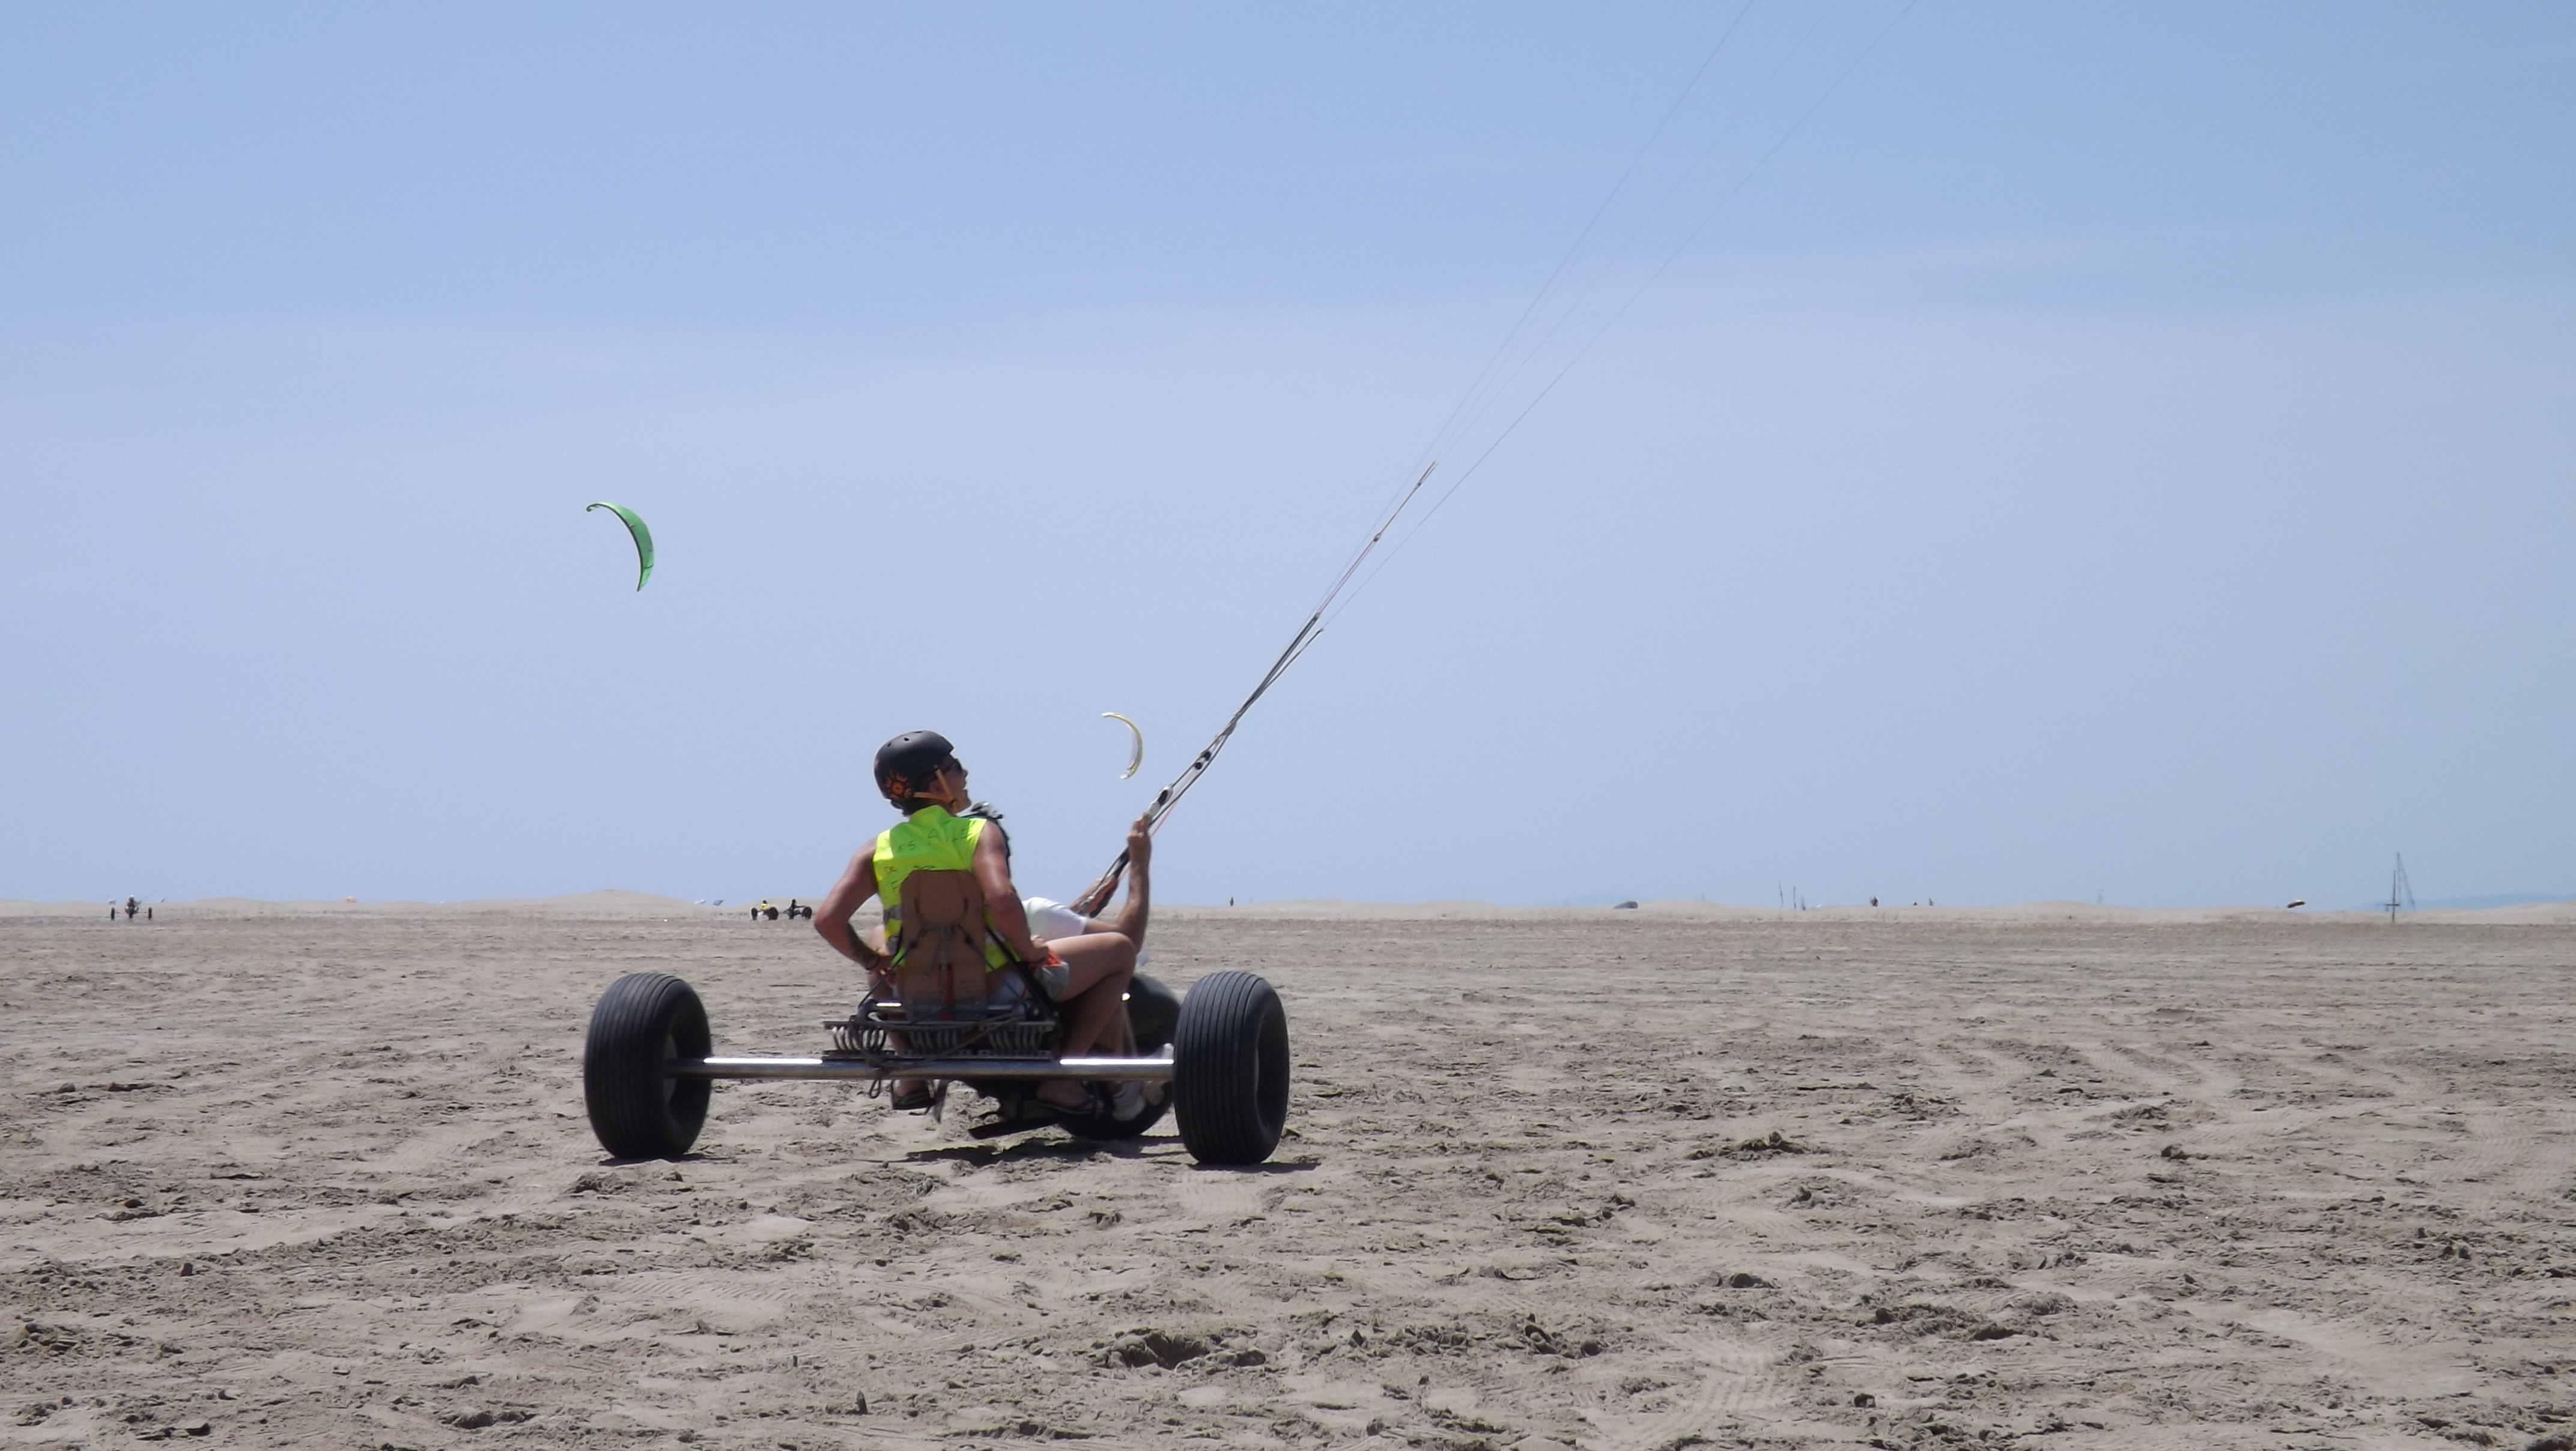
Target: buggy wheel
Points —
{"points": [[638, 1110], [1230, 1069], [1153, 1011]]}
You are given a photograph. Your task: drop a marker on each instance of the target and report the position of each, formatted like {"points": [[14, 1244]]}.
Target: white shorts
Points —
{"points": [[1055, 977], [1050, 919]]}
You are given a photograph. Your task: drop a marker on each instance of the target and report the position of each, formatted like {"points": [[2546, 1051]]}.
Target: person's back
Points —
{"points": [[920, 776], [940, 940]]}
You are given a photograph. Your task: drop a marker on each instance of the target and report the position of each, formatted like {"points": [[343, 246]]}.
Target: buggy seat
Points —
{"points": [[940, 997]]}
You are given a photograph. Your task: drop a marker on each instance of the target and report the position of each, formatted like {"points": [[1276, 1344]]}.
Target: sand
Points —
{"points": [[1652, 1179]]}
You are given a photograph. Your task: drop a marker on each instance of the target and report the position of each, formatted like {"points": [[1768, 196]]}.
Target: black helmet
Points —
{"points": [[910, 760]]}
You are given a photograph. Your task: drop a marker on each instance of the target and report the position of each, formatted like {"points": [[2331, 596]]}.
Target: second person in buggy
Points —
{"points": [[967, 859]]}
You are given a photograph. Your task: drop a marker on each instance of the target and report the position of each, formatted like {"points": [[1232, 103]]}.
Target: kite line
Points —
{"points": [[1097, 895], [1491, 381]]}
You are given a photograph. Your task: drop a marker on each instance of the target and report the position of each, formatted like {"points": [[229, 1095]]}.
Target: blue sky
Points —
{"points": [[2099, 450]]}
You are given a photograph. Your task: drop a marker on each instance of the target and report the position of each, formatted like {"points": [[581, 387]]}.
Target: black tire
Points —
{"points": [[1153, 1013], [638, 1110], [1230, 1069], [1153, 1010]]}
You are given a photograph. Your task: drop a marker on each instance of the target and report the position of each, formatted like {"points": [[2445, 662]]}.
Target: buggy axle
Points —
{"points": [[1092, 1070]]}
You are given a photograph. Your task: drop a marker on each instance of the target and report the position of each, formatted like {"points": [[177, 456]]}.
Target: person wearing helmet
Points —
{"points": [[1086, 974]]}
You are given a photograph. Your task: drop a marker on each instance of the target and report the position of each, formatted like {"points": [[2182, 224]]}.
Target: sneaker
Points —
{"points": [[1128, 1101]]}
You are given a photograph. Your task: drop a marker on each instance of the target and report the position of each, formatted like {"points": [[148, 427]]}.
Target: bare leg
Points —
{"points": [[1098, 967], [1101, 963], [1133, 917], [905, 1088]]}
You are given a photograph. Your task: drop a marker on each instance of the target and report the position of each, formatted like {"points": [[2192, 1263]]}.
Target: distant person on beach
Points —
{"points": [[131, 907]]}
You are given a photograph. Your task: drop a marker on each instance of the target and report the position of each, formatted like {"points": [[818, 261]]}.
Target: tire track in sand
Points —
{"points": [[1736, 1380]]}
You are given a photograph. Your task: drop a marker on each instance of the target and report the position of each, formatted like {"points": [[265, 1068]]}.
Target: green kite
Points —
{"points": [[643, 539]]}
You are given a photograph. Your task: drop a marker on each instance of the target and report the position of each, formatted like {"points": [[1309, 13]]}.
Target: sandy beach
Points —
{"points": [[318, 1176]]}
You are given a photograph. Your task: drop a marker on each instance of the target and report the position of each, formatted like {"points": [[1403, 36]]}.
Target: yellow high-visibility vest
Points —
{"points": [[930, 840]]}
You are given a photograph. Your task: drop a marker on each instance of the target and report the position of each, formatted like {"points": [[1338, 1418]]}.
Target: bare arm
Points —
{"points": [[851, 892], [1096, 896], [1002, 900], [1139, 909]]}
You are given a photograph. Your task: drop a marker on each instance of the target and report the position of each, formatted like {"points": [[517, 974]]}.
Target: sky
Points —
{"points": [[1976, 453]]}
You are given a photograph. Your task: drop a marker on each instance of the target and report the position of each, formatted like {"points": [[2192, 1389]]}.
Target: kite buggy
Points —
{"points": [[1059, 1032]]}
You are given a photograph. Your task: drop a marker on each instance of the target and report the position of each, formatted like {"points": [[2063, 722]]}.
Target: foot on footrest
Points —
{"points": [[1039, 1115]]}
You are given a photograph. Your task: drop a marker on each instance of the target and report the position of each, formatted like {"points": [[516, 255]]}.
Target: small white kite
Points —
{"points": [[1138, 758]]}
